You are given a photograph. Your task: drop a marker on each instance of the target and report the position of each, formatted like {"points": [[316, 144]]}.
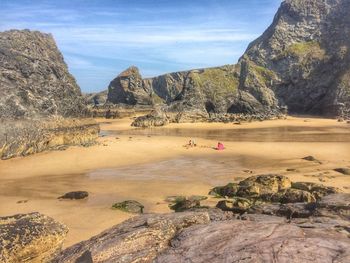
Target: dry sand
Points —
{"points": [[149, 165]]}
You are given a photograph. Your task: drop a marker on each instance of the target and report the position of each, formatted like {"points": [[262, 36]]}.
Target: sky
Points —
{"points": [[101, 38]]}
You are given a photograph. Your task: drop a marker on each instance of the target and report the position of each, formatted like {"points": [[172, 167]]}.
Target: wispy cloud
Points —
{"points": [[101, 38]]}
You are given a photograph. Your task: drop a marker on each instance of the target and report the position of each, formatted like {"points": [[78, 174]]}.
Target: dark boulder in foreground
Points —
{"points": [[75, 195], [130, 206], [30, 238]]}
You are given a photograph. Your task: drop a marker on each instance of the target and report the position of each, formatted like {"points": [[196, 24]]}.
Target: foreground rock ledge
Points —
{"points": [[21, 138], [30, 238], [211, 235]]}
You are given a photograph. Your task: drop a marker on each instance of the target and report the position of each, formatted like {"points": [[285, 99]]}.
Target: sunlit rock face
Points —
{"points": [[34, 79], [302, 59], [301, 62]]}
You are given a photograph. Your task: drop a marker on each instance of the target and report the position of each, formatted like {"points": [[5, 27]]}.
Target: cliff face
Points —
{"points": [[34, 79], [304, 58], [211, 90], [301, 62]]}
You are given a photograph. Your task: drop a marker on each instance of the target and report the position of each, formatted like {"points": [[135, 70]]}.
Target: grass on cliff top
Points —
{"points": [[222, 80], [310, 49]]}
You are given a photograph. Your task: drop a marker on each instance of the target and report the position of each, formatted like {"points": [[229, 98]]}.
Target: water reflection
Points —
{"points": [[274, 134]]}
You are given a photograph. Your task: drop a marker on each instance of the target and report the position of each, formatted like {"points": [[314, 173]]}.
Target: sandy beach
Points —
{"points": [[148, 165]]}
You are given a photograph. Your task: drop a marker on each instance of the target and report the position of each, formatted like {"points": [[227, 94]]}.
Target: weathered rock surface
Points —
{"points": [[214, 236], [75, 195], [300, 64], [128, 88], [34, 79], [247, 241], [302, 59], [269, 191], [138, 239], [30, 238], [96, 99], [21, 138], [210, 94], [130, 206], [229, 190], [183, 203], [36, 92]]}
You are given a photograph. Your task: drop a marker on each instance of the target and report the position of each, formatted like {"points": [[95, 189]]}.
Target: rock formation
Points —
{"points": [[34, 79], [300, 63], [37, 92], [302, 59], [96, 99], [25, 137], [30, 238], [210, 235], [128, 88]]}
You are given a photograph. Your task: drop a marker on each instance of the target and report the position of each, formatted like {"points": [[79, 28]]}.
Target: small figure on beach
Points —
{"points": [[194, 144], [220, 147], [191, 143]]}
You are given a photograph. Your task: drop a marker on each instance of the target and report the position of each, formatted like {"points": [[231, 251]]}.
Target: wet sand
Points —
{"points": [[148, 165]]}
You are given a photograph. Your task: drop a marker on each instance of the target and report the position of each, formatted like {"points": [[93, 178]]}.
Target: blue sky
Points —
{"points": [[101, 38]]}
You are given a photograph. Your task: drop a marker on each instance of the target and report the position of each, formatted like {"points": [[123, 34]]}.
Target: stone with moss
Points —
{"points": [[130, 206]]}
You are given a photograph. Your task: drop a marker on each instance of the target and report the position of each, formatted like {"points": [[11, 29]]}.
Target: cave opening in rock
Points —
{"points": [[209, 106]]}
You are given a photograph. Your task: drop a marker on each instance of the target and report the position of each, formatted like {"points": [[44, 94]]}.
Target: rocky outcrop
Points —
{"points": [[25, 137], [37, 92], [266, 190], [311, 234], [30, 238], [96, 99], [128, 88], [300, 64], [211, 94], [302, 59], [138, 239], [34, 79]]}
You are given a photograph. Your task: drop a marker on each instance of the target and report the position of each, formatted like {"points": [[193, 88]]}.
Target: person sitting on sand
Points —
{"points": [[194, 144], [220, 146], [190, 143]]}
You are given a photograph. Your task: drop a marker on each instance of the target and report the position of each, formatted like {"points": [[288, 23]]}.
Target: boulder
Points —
{"points": [[75, 195], [154, 119], [229, 190], [130, 206], [237, 205], [311, 159], [30, 238], [345, 171], [318, 190], [263, 185], [295, 196], [181, 204]]}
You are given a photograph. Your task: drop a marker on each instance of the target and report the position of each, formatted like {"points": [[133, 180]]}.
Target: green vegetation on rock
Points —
{"points": [[216, 82], [310, 49]]}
